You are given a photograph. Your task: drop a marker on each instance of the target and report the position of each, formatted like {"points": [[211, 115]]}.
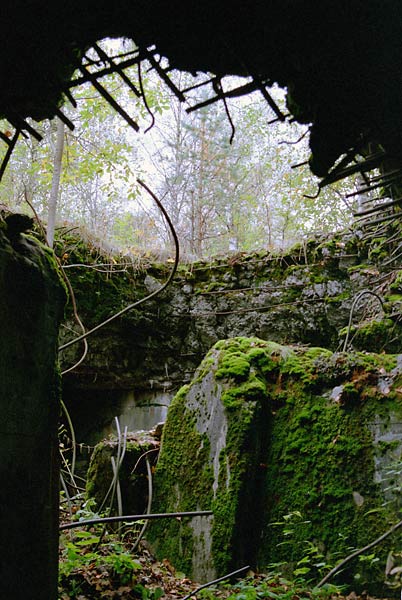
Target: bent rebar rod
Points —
{"points": [[196, 513], [352, 310]]}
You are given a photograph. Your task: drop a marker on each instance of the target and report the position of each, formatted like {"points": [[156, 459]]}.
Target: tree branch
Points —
{"points": [[358, 552]]}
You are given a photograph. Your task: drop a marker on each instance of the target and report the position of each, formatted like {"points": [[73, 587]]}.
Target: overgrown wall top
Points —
{"points": [[303, 296]]}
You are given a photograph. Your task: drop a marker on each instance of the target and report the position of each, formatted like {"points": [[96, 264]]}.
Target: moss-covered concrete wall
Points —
{"points": [[301, 296], [31, 305], [265, 431]]}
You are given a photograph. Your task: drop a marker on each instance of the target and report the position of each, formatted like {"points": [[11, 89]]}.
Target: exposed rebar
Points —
{"points": [[128, 518]]}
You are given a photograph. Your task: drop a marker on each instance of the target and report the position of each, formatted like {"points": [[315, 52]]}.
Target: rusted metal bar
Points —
{"points": [[102, 54], [65, 119], [337, 174], [85, 523], [236, 93], [371, 200], [379, 207], [290, 143], [392, 259], [271, 102], [385, 175], [214, 581], [11, 146], [103, 91], [375, 186], [20, 123], [377, 232], [162, 74], [368, 223], [103, 72], [197, 85], [300, 164], [70, 97], [144, 99]]}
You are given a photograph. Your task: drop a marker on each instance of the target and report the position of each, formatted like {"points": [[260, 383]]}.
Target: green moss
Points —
{"points": [[321, 452], [266, 360], [375, 336], [212, 286], [312, 469], [240, 493], [350, 392], [205, 366], [302, 363], [248, 362], [132, 476], [396, 285], [47, 259], [375, 362], [252, 390], [310, 454], [378, 249], [384, 447], [390, 298], [234, 366], [100, 292], [184, 458]]}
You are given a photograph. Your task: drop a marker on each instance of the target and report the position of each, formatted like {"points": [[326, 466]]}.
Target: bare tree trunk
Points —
{"points": [[269, 224], [54, 192]]}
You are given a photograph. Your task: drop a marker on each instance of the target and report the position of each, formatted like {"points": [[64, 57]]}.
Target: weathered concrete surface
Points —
{"points": [[265, 431], [302, 296], [31, 304]]}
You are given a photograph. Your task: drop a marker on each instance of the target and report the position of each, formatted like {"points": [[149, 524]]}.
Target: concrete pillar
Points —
{"points": [[31, 304]]}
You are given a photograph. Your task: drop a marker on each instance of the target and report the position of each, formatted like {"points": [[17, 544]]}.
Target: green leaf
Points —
{"points": [[301, 571]]}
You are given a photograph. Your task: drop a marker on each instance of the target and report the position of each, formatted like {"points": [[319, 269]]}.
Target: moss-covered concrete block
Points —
{"points": [[265, 431], [213, 450], [133, 473]]}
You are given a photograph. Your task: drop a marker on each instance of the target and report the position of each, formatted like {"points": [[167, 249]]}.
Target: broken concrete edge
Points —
{"points": [[303, 295], [264, 431]]}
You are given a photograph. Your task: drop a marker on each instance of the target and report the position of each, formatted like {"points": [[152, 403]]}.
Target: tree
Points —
{"points": [[93, 175], [54, 192], [222, 196], [242, 196]]}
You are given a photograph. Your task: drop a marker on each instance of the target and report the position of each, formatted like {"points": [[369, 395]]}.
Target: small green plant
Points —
{"points": [[276, 587], [77, 553], [86, 510], [148, 593], [82, 563], [121, 562], [312, 565]]}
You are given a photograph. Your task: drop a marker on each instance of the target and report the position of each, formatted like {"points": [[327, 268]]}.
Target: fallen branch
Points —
{"points": [[358, 552], [232, 574]]}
